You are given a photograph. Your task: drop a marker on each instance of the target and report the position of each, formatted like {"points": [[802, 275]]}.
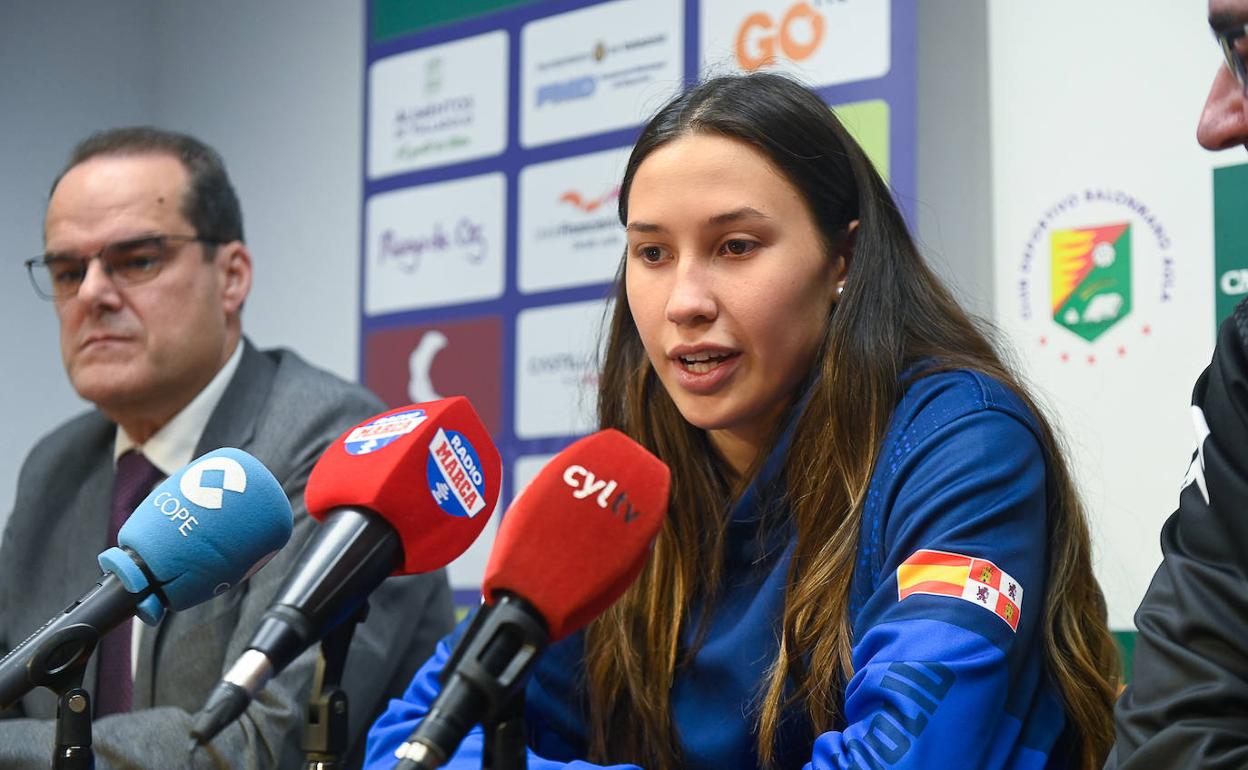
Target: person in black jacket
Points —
{"points": [[1188, 705]]}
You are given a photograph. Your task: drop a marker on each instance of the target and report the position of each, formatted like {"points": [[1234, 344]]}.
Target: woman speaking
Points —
{"points": [[874, 556]]}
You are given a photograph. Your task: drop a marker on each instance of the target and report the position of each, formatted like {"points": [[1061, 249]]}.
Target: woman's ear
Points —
{"points": [[844, 253]]}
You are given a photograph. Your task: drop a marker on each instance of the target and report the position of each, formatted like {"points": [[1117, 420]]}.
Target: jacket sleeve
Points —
{"points": [[394, 726], [1188, 703], [946, 663]]}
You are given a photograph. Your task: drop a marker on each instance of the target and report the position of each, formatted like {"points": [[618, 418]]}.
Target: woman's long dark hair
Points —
{"points": [[894, 311]]}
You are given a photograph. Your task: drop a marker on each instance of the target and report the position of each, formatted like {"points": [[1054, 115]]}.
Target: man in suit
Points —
{"points": [[147, 270], [1188, 704]]}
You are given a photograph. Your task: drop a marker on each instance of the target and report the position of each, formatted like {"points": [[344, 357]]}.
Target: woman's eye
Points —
{"points": [[738, 247], [650, 253]]}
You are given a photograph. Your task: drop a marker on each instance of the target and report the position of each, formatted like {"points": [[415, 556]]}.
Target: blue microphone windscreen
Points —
{"points": [[209, 526]]}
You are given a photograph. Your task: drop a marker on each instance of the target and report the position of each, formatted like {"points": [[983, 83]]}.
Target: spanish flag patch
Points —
{"points": [[978, 581]]}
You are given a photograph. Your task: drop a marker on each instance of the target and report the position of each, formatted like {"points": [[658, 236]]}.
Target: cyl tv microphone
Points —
{"points": [[404, 492], [199, 532], [567, 548]]}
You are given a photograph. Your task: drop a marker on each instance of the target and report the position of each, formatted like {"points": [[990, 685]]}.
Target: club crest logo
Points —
{"points": [[1091, 278], [1096, 274]]}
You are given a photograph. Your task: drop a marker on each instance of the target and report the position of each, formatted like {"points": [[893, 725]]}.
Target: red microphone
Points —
{"points": [[567, 548], [404, 492]]}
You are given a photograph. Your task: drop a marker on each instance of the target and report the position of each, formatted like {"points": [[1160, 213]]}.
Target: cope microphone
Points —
{"points": [[402, 493], [567, 548], [199, 532]]}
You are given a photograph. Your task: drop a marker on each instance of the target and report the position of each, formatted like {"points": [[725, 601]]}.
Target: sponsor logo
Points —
{"points": [[567, 90], [430, 118], [425, 107], [465, 240], [454, 474], [599, 52], [1095, 270], [585, 232], [383, 431], [1230, 239], [606, 493], [1234, 283], [414, 364], [435, 244], [433, 76], [569, 233], [589, 205], [571, 367], [597, 68], [761, 37], [556, 377], [205, 482]]}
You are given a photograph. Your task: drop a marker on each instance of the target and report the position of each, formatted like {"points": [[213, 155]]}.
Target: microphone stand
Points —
{"points": [[504, 738], [51, 670], [73, 730], [326, 729]]}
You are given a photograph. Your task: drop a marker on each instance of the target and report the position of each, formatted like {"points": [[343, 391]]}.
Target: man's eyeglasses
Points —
{"points": [[127, 263], [1233, 40]]}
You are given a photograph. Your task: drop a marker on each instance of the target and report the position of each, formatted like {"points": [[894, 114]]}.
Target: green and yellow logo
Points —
{"points": [[1091, 278]]}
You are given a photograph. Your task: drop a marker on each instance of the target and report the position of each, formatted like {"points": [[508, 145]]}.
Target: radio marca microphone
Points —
{"points": [[404, 492], [567, 548], [199, 532]]}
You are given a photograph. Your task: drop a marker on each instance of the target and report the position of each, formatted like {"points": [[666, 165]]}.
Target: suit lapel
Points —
{"points": [[232, 424], [94, 503]]}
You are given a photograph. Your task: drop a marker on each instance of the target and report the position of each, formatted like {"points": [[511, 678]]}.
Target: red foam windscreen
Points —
{"points": [[577, 537], [430, 469]]}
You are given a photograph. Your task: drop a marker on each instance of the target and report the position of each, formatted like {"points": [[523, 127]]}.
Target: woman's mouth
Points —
{"points": [[703, 362]]}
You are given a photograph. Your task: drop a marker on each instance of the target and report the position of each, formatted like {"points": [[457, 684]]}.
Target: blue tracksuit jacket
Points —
{"points": [[947, 597]]}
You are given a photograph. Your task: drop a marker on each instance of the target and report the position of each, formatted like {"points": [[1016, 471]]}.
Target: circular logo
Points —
{"points": [[456, 480], [379, 433]]}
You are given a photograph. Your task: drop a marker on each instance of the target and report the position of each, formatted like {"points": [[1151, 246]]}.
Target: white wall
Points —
{"points": [[1109, 103], [66, 68], [954, 206], [274, 86]]}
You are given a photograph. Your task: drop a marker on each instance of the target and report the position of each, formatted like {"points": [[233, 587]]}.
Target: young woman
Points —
{"points": [[874, 556]]}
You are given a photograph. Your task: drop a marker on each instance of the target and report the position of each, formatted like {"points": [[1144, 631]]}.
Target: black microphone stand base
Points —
{"points": [[325, 733], [73, 731], [504, 738]]}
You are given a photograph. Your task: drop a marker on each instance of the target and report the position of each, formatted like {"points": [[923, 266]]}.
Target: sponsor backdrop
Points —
{"points": [[1119, 245], [495, 137]]}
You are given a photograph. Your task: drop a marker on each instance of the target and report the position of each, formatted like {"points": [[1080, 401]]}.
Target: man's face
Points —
{"points": [[143, 351], [1224, 121]]}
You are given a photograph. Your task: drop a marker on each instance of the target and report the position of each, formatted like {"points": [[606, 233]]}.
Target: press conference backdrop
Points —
{"points": [[495, 137], [1119, 244]]}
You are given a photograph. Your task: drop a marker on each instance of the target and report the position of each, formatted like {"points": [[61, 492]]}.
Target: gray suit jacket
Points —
{"points": [[284, 412]]}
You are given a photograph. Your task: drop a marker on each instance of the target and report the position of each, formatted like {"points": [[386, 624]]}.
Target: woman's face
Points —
{"points": [[728, 283]]}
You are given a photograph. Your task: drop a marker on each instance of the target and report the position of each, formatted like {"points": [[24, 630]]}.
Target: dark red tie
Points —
{"points": [[114, 685]]}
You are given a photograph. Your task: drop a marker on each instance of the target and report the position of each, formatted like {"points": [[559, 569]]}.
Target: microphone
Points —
{"points": [[567, 548], [199, 532], [404, 492]]}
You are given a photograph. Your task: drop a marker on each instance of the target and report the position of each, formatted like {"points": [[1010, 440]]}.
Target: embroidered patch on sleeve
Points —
{"points": [[977, 581]]}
